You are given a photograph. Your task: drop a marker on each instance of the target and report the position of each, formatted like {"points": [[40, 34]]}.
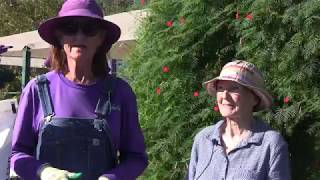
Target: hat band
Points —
{"points": [[241, 80], [236, 78], [80, 12]]}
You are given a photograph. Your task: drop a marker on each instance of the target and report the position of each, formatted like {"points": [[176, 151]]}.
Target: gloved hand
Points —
{"points": [[50, 173], [103, 178]]}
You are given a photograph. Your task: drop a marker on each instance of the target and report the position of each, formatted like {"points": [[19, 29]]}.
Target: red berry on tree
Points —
{"points": [[165, 69], [286, 100], [142, 2], [249, 17], [158, 90], [196, 94], [216, 108], [169, 23]]}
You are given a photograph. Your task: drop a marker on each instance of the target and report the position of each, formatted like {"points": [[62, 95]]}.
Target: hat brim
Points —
{"points": [[47, 29], [265, 97]]}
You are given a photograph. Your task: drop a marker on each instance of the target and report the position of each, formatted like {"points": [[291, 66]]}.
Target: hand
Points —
{"points": [[103, 178], [50, 173]]}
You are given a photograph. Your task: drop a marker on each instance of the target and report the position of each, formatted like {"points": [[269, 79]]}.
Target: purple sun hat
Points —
{"points": [[78, 8]]}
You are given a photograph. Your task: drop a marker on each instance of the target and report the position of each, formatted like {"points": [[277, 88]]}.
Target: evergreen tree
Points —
{"points": [[115, 6], [8, 90], [19, 16], [184, 43]]}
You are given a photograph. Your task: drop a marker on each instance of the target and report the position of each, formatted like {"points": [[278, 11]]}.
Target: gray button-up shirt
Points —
{"points": [[262, 156]]}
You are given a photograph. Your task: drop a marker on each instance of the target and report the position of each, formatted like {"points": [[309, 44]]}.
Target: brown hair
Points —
{"points": [[99, 63]]}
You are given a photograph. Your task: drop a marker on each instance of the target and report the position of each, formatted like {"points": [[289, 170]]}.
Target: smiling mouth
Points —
{"points": [[227, 104]]}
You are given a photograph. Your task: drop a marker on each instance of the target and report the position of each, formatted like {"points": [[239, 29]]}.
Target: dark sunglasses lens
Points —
{"points": [[90, 28], [68, 28]]}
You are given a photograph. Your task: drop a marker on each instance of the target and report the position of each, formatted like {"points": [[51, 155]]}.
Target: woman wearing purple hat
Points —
{"points": [[240, 146], [77, 121]]}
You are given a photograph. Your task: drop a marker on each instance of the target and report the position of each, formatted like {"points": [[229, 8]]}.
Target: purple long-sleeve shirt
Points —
{"points": [[74, 100]]}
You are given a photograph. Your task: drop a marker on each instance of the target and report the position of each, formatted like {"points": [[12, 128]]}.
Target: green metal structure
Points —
{"points": [[25, 66]]}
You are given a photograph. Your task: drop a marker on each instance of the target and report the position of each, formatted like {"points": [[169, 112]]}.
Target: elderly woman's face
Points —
{"points": [[234, 100], [80, 38]]}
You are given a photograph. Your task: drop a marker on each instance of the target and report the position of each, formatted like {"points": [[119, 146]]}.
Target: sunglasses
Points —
{"points": [[88, 28]]}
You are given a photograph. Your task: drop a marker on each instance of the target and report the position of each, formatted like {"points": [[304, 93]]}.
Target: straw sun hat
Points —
{"points": [[245, 74]]}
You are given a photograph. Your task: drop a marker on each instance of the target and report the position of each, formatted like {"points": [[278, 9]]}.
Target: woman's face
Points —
{"points": [[80, 38], [235, 100]]}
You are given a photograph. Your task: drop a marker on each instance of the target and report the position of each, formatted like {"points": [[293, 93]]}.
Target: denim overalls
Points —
{"points": [[76, 144]]}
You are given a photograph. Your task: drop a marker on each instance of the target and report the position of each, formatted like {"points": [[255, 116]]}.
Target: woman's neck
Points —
{"points": [[237, 127], [233, 131], [80, 74]]}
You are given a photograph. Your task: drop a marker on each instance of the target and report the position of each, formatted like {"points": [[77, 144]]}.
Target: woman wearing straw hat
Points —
{"points": [[240, 146], [77, 121]]}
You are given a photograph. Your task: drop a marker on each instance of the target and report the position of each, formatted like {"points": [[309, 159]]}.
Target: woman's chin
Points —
{"points": [[78, 56], [227, 114]]}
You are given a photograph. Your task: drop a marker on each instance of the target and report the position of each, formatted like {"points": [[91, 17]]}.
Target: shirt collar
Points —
{"points": [[256, 137], [214, 135]]}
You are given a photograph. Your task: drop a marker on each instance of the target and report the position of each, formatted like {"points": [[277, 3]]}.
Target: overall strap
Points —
{"points": [[104, 106], [46, 104], [103, 109], [43, 92]]}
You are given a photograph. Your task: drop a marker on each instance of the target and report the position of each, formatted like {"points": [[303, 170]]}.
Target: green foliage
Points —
{"points": [[9, 90], [111, 6], [281, 38], [10, 80], [283, 41], [171, 119], [21, 16]]}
